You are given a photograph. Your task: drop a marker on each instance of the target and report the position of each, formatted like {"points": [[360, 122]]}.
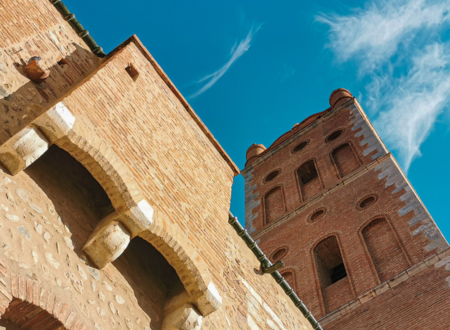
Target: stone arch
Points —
{"points": [[77, 136], [30, 306]]}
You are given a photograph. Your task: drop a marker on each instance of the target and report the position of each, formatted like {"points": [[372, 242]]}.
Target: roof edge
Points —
{"points": [[273, 150], [134, 38]]}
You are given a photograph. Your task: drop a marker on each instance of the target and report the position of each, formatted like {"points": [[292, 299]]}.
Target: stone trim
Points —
{"points": [[390, 172], [437, 260]]}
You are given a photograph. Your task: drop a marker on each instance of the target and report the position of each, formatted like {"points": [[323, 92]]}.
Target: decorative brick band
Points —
{"points": [[318, 197], [437, 260], [32, 307]]}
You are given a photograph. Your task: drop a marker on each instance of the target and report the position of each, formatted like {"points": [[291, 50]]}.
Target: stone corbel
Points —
{"points": [[183, 318], [24, 148], [113, 234]]}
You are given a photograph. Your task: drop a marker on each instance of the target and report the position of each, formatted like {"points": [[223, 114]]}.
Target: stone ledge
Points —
{"points": [[437, 260]]}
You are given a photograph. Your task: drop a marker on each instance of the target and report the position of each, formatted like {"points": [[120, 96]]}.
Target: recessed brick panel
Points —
{"points": [[385, 251]]}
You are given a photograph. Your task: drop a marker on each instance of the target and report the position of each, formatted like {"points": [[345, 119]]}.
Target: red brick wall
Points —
{"points": [[351, 168]]}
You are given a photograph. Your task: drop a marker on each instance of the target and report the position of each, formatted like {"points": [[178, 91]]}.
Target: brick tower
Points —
{"points": [[360, 248]]}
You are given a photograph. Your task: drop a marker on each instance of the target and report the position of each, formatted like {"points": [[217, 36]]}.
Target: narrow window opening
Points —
{"points": [[337, 273], [330, 265], [334, 282], [132, 71], [307, 173]]}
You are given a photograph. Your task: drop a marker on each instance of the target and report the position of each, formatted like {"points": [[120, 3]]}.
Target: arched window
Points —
{"points": [[332, 274], [384, 249], [345, 159], [274, 205], [308, 178]]}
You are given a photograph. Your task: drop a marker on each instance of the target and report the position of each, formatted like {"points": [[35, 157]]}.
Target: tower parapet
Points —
{"points": [[331, 201]]}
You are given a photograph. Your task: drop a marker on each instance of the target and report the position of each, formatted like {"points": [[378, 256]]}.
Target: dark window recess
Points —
{"points": [[307, 172], [317, 215], [279, 254], [338, 273], [334, 136], [272, 176], [132, 71], [367, 202], [329, 262], [300, 146]]}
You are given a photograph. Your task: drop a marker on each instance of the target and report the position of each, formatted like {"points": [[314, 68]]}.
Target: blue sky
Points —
{"points": [[252, 69]]}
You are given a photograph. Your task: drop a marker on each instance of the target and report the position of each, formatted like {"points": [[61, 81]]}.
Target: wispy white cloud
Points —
{"points": [[236, 51], [413, 103], [373, 34], [397, 45]]}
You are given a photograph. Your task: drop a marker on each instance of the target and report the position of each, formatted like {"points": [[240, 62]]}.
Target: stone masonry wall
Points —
{"points": [[35, 28], [39, 267]]}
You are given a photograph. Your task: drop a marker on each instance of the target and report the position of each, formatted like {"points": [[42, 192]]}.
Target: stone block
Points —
{"points": [[56, 122], [398, 279], [416, 269], [22, 150], [184, 318], [107, 242], [210, 301]]}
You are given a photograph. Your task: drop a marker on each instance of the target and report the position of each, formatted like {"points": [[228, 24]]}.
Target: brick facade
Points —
{"points": [[351, 223], [114, 196]]}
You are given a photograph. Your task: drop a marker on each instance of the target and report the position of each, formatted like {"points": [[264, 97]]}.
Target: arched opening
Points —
{"points": [[334, 282], [274, 205], [22, 315], [77, 197], [152, 279], [384, 249], [81, 202], [308, 178], [345, 159]]}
